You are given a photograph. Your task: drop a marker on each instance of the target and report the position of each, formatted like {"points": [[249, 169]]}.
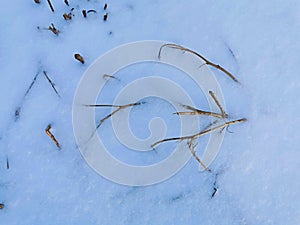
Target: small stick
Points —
{"points": [[37, 1], [107, 76], [7, 163], [53, 29], [212, 94], [66, 2], [48, 132], [50, 4], [79, 58], [105, 16], [207, 62], [192, 148], [197, 135], [214, 192], [91, 10], [105, 6], [84, 13], [1, 205], [50, 81]]}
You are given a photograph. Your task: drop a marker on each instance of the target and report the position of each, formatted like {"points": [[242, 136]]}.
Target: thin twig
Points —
{"points": [[197, 135], [50, 4], [50, 81], [192, 148], [7, 163], [207, 62], [48, 132], [119, 107], [212, 94], [107, 76]]}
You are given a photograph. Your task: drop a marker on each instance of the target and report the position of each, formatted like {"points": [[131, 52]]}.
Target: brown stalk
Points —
{"points": [[1, 205], [197, 135], [37, 1], [67, 16], [192, 148], [195, 111], [48, 132], [207, 62], [212, 94]]}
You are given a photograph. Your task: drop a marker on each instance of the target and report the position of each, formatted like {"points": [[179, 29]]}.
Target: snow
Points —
{"points": [[257, 165]]}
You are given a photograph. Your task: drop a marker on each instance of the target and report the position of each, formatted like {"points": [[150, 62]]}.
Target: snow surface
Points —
{"points": [[257, 166]]}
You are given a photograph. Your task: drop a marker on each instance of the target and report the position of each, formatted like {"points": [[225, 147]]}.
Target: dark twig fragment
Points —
{"points": [[79, 58], [2, 206], [107, 76], [105, 16], [105, 6], [7, 163], [51, 6], [37, 1], [48, 132], [84, 13], [66, 2]]}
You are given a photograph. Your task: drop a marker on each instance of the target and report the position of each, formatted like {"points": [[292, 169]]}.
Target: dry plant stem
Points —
{"points": [[105, 16], [197, 135], [67, 16], [66, 2], [51, 6], [107, 76], [37, 1], [1, 205], [105, 6], [119, 107], [84, 13], [207, 62], [52, 84], [192, 148], [212, 94], [48, 132], [198, 112]]}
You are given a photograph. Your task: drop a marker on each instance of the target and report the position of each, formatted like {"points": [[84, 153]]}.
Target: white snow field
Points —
{"points": [[256, 172]]}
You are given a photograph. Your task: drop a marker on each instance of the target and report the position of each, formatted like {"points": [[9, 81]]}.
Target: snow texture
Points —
{"points": [[256, 170]]}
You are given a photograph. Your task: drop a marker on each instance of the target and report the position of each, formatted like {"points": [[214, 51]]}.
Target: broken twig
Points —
{"points": [[48, 132], [107, 76], [207, 62], [79, 58]]}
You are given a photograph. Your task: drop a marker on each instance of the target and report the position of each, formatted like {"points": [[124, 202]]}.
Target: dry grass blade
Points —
{"points": [[119, 107], [197, 135], [212, 94], [48, 132], [192, 148], [51, 83], [207, 62]]}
